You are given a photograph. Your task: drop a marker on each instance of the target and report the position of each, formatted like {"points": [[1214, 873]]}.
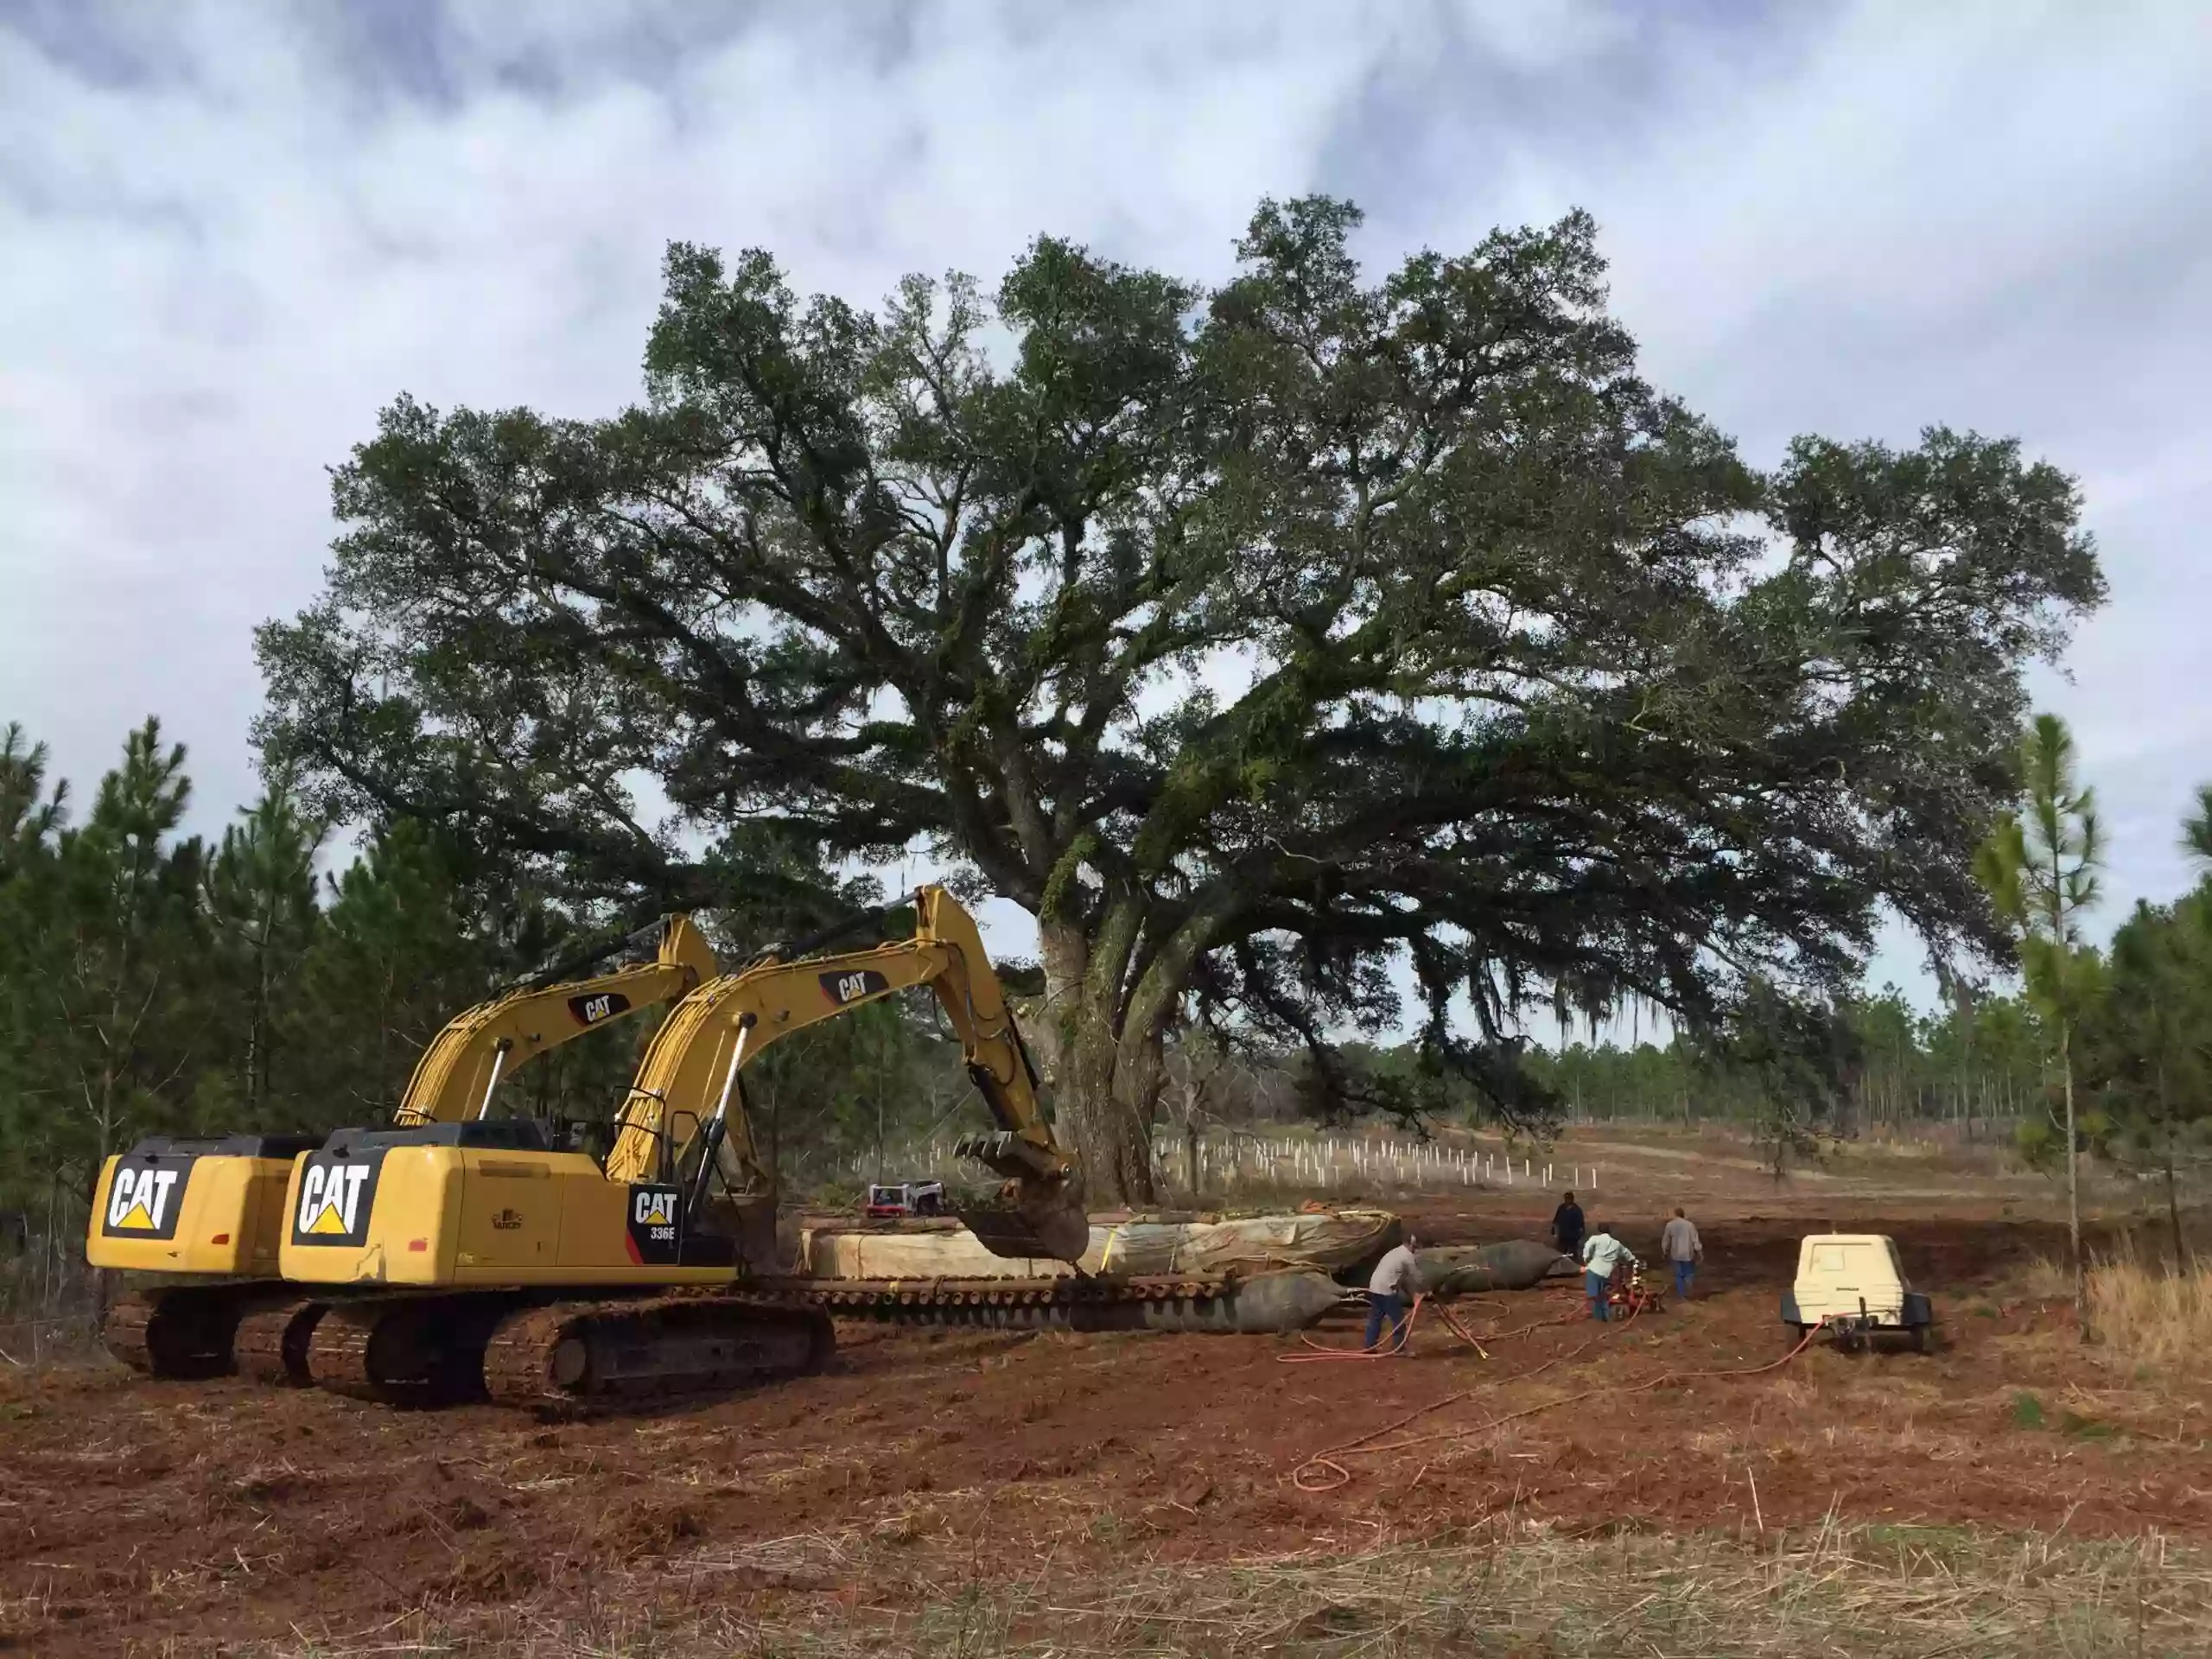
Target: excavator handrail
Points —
{"points": [[463, 1065]]}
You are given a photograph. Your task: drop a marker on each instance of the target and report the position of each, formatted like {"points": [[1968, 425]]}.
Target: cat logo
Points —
{"points": [[856, 985], [655, 1238], [599, 1007], [139, 1200], [507, 1221], [331, 1210]]}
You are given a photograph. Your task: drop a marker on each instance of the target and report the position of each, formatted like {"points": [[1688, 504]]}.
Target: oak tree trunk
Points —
{"points": [[1104, 1089]]}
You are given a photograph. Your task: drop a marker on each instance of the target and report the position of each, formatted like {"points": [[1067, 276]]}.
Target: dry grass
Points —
{"points": [[1864, 1591], [2141, 1310], [2047, 1278], [48, 1304]]}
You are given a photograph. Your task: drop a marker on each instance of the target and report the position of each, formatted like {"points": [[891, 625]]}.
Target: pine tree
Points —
{"points": [[31, 820], [114, 964], [2196, 832], [395, 959], [30, 817], [2040, 868], [2148, 1038], [260, 893]]}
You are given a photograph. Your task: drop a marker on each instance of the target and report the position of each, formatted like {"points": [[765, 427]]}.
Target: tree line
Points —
{"points": [[1977, 1065], [1979, 1069]]}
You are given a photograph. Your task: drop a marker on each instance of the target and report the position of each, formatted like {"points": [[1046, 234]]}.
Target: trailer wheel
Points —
{"points": [[1923, 1339]]}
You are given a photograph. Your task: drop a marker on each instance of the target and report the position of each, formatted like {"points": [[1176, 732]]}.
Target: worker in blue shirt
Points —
{"points": [[1681, 1246]]}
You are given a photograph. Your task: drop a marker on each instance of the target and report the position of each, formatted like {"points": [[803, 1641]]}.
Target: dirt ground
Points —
{"points": [[141, 1517]]}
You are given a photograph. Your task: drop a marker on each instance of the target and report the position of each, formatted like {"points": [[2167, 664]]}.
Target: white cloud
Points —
{"points": [[233, 232]]}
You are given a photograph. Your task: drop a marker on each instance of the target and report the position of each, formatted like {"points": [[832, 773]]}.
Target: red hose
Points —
{"points": [[1401, 1338], [1404, 1340]]}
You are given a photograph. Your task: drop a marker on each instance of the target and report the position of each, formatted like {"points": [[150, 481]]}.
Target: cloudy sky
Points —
{"points": [[230, 232]]}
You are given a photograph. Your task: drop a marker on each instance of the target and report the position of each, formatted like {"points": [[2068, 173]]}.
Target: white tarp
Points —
{"points": [[1325, 1240]]}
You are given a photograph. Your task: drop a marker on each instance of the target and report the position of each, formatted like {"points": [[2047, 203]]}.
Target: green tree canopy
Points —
{"points": [[2147, 1043], [261, 898], [2196, 832], [1252, 640], [102, 1017]]}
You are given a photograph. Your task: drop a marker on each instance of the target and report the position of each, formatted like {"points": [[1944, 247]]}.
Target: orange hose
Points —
{"points": [[1404, 1340]]}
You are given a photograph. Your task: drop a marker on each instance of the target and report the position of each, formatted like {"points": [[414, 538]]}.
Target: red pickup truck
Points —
{"points": [[913, 1199]]}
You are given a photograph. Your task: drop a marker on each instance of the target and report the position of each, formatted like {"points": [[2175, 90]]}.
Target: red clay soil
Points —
{"points": [[144, 1517]]}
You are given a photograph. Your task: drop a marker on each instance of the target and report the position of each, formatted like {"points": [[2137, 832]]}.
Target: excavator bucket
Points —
{"points": [[1030, 1225], [1037, 1214]]}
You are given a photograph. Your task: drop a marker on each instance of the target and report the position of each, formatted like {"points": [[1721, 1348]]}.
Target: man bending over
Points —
{"points": [[1398, 1275], [1601, 1254]]}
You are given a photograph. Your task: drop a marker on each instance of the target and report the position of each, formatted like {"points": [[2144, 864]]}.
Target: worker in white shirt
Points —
{"points": [[1681, 1246], [1601, 1253], [1396, 1276]]}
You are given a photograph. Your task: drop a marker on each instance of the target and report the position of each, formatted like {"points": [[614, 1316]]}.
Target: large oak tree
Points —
{"points": [[1253, 640]]}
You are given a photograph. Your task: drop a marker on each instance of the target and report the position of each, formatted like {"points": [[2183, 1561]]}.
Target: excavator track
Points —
{"points": [[633, 1349], [441, 1349], [1231, 1304], [272, 1341], [179, 1332], [417, 1352], [125, 1333], [338, 1354], [1069, 1304]]}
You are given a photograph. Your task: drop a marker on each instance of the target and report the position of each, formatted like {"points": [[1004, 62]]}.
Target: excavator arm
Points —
{"points": [[460, 1071], [690, 1080]]}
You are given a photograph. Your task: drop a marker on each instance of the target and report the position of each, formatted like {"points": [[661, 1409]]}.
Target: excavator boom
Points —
{"points": [[699, 1054], [460, 1071]]}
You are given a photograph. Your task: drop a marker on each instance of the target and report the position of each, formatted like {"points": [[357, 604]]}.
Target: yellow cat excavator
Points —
{"points": [[211, 1209], [484, 1261]]}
